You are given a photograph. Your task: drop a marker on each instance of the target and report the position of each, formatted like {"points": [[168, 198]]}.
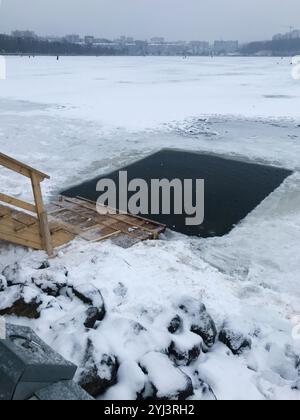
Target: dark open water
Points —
{"points": [[232, 188]]}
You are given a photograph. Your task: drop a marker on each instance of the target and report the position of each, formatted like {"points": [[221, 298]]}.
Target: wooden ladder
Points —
{"points": [[38, 208]]}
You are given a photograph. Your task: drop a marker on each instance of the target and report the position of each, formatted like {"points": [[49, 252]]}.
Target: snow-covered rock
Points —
{"points": [[98, 371], [12, 274], [91, 296], [185, 348], [166, 381], [235, 341], [131, 383], [175, 325], [20, 301], [201, 323], [3, 283]]}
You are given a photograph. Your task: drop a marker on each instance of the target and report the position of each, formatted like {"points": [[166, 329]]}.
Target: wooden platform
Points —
{"points": [[81, 218], [41, 228], [21, 228], [71, 218]]}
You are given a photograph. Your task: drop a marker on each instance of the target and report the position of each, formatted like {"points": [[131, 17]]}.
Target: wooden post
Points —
{"points": [[42, 214]]}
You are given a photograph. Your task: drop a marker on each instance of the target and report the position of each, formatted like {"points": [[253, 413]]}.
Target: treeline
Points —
{"points": [[12, 45], [284, 47]]}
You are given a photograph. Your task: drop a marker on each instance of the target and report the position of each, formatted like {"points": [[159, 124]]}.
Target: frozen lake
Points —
{"points": [[143, 92], [99, 113]]}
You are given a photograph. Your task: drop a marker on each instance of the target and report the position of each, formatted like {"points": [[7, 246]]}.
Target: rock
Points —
{"points": [[185, 349], [201, 322], [131, 383], [235, 341], [98, 371], [296, 385], [44, 265], [3, 283], [50, 283], [91, 317], [12, 274], [176, 325], [165, 380], [21, 301], [91, 296]]}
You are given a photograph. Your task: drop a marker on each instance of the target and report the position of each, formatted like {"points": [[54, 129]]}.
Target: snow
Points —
{"points": [[80, 117]]}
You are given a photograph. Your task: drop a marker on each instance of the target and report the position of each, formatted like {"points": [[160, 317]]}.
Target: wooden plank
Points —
{"points": [[20, 167], [24, 221], [93, 204], [61, 237], [17, 203], [42, 215], [20, 241], [97, 233], [32, 241], [136, 221], [31, 233], [5, 211], [111, 235]]}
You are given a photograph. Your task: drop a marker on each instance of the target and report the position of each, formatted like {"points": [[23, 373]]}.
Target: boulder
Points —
{"points": [[20, 301], [12, 274], [235, 341], [44, 265], [3, 283], [98, 371], [185, 349], [50, 283], [165, 380], [91, 296], [176, 325], [91, 317], [201, 323]]}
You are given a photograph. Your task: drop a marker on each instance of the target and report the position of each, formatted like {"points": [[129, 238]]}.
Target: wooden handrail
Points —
{"points": [[18, 203], [36, 178], [20, 167]]}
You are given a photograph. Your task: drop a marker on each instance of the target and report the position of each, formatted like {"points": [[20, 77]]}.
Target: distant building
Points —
{"points": [[89, 40], [24, 34], [157, 40], [124, 40], [73, 39], [199, 47], [226, 47]]}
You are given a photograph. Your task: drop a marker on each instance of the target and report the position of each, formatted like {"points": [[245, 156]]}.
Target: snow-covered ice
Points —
{"points": [[80, 117]]}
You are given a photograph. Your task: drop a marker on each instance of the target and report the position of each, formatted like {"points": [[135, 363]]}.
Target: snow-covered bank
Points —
{"points": [[52, 118]]}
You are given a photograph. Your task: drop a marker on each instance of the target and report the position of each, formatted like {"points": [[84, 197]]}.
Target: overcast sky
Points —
{"points": [[174, 19]]}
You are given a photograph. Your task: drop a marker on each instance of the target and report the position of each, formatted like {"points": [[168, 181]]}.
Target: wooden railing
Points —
{"points": [[38, 207]]}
